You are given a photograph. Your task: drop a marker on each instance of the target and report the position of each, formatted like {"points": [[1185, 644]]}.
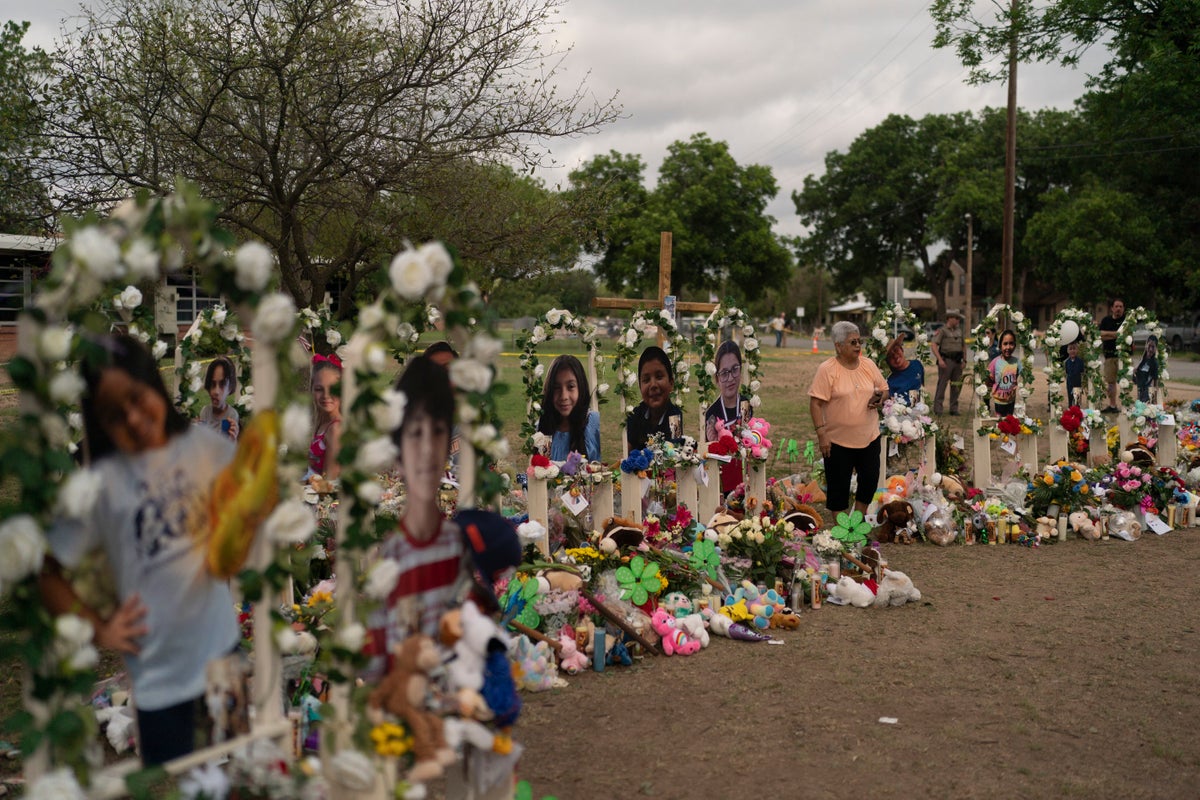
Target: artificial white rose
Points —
{"points": [[195, 384], [253, 263], [531, 531], [159, 350], [751, 367], [295, 426], [333, 336], [630, 378], [602, 390], [229, 332], [57, 785], [96, 252], [554, 316], [755, 401], [55, 429], [1128, 340], [538, 334], [922, 338], [290, 523], [370, 492], [78, 494], [139, 334], [710, 369], [207, 781], [437, 257], [388, 413], [375, 358], [893, 424], [484, 435], [142, 260], [376, 455], [54, 343], [410, 275], [981, 389], [130, 297], [406, 332], [22, 548], [498, 448], [288, 641], [469, 375], [485, 348], [274, 319], [536, 406], [432, 315], [467, 413], [382, 579], [352, 770], [370, 317], [755, 385], [747, 330], [66, 387], [539, 371], [1123, 383], [1018, 317], [351, 636], [880, 335]]}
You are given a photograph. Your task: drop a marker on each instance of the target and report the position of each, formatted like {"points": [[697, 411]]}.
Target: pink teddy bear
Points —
{"points": [[569, 658], [754, 437], [674, 640]]}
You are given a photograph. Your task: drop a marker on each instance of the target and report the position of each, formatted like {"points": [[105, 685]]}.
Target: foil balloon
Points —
{"points": [[1069, 332], [939, 530], [1125, 525], [739, 631]]}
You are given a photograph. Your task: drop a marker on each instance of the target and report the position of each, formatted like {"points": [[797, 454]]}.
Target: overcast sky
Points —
{"points": [[782, 81]]}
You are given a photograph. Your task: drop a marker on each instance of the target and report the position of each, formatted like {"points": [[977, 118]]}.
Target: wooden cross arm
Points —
{"points": [[631, 303]]}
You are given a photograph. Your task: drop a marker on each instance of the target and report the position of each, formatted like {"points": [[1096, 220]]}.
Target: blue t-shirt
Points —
{"points": [[560, 442], [909, 379]]}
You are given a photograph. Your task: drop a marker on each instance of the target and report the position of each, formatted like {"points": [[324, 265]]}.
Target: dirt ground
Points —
{"points": [[1063, 671]]}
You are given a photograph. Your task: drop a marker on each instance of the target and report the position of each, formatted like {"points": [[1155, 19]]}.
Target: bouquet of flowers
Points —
{"points": [[1010, 425], [753, 548], [1127, 485], [1071, 419], [1063, 484], [906, 423]]}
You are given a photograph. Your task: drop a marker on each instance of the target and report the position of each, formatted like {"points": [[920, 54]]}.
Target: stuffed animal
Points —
{"points": [[402, 693], [805, 518], [674, 640], [694, 626], [897, 485], [852, 592], [896, 589], [570, 660], [677, 603], [754, 437], [722, 625], [1083, 524], [562, 580], [787, 620], [896, 522], [533, 665], [620, 534], [952, 488], [1047, 528], [1138, 455]]}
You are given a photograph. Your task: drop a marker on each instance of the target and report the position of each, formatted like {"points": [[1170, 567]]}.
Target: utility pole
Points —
{"points": [[970, 285], [1010, 167]]}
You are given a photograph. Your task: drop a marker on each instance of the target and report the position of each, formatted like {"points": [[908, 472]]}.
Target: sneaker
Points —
{"points": [[1110, 410]]}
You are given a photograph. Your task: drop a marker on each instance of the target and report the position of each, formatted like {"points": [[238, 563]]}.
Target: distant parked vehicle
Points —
{"points": [[1180, 333]]}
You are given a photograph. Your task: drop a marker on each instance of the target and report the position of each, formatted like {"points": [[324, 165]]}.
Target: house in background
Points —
{"points": [[1039, 302]]}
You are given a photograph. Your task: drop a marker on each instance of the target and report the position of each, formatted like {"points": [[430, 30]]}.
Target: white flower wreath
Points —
{"points": [[724, 315], [1125, 366], [217, 332], [554, 321], [627, 355], [1024, 330], [1089, 351], [880, 334], [139, 242]]}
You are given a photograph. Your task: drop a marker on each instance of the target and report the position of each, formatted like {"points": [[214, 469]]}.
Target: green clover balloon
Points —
{"points": [[851, 529], [706, 558], [518, 602], [639, 580]]}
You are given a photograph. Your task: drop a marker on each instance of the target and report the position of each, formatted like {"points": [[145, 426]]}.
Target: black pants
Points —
{"points": [[840, 462], [170, 732]]}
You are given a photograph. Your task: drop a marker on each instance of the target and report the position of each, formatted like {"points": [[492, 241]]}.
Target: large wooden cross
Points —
{"points": [[664, 289]]}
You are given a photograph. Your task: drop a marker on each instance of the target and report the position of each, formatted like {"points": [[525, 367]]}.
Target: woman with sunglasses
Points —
{"points": [[730, 407], [844, 401]]}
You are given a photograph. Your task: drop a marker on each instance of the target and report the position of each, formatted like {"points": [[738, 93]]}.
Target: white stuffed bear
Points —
{"points": [[896, 589], [1083, 524], [693, 625], [853, 592]]}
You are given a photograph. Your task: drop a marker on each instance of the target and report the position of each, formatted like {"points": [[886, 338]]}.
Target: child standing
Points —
{"points": [[1074, 369], [1002, 375], [426, 546], [1146, 374], [155, 471], [220, 381], [322, 453], [566, 417]]}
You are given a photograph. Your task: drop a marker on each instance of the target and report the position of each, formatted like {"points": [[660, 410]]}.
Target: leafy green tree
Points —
{"points": [[872, 208], [308, 119], [714, 208], [1089, 241], [24, 202]]}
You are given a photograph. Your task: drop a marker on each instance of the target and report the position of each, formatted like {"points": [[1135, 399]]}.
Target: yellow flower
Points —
{"points": [[993, 436], [1075, 476], [1083, 489], [320, 597]]}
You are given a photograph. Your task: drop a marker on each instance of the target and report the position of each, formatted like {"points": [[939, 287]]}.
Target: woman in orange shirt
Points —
{"points": [[844, 401]]}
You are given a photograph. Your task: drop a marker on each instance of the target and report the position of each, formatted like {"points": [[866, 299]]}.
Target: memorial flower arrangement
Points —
{"points": [[1135, 318], [1144, 419], [723, 316], [1064, 484], [887, 318], [754, 548], [1009, 426], [1073, 325], [627, 354], [217, 331], [555, 322], [1127, 485], [1025, 349], [906, 423]]}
